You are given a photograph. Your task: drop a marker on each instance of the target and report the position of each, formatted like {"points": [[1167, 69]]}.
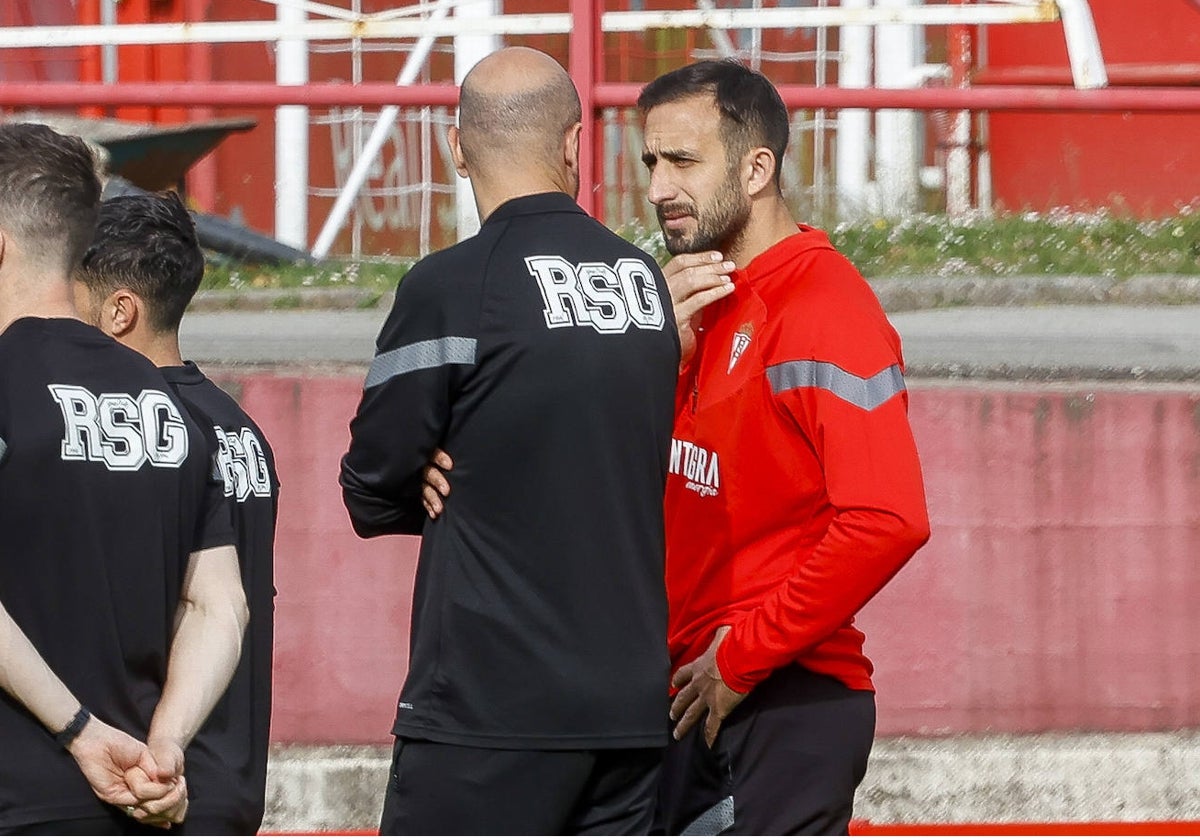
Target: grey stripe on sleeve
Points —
{"points": [[421, 355], [867, 394], [716, 819], [3, 448]]}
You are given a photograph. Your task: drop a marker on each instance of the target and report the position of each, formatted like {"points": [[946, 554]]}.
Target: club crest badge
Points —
{"points": [[741, 340]]}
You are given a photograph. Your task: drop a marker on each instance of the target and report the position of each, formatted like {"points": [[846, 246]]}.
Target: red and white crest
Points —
{"points": [[741, 340]]}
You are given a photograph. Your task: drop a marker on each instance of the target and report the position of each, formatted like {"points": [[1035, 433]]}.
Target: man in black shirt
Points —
{"points": [[542, 354], [115, 538], [137, 278]]}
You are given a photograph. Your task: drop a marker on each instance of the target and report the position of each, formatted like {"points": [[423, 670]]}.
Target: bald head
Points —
{"points": [[515, 107]]}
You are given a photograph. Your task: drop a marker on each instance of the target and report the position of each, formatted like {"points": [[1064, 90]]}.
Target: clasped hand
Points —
{"points": [[145, 780]]}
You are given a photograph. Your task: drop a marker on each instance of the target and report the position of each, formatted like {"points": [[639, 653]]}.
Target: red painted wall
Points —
{"points": [[1146, 164], [341, 614], [1058, 591]]}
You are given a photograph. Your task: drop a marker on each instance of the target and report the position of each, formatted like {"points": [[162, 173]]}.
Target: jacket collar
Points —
{"points": [[185, 374], [748, 281], [781, 253], [526, 205]]}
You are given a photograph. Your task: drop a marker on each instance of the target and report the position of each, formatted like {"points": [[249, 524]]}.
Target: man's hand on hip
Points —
{"points": [[695, 281], [703, 693]]}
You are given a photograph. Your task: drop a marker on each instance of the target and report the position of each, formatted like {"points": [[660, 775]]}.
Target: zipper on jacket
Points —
{"points": [[696, 380], [697, 366]]}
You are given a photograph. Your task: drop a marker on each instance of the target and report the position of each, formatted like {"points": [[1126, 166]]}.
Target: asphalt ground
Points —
{"points": [[1041, 341]]}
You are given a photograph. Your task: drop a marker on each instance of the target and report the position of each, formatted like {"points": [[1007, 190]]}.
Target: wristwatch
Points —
{"points": [[71, 731]]}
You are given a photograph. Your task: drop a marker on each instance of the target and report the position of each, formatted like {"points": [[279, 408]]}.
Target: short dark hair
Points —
{"points": [[49, 192], [752, 111], [147, 244]]}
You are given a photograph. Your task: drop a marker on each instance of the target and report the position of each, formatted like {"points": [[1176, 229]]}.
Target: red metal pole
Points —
{"points": [[1017, 98], [1179, 100], [599, 192], [1140, 74], [202, 177], [584, 20], [169, 62], [90, 58], [227, 94], [137, 60]]}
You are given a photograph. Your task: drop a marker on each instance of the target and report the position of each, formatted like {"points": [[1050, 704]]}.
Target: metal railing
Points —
{"points": [[586, 22]]}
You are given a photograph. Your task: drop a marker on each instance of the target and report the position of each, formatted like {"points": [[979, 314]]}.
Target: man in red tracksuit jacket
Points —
{"points": [[794, 492]]}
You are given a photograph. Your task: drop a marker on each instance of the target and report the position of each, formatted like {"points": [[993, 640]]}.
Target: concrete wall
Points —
{"points": [[935, 784], [1057, 591]]}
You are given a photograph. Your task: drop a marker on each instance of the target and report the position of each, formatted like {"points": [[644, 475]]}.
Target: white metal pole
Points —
{"points": [[958, 165], [958, 157], [983, 166], [291, 136], [468, 50], [548, 23], [110, 70], [852, 153], [790, 17], [896, 137], [721, 39], [1083, 44], [756, 40], [379, 135]]}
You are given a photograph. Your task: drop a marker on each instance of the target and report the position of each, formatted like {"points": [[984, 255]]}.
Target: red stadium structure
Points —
{"points": [[1027, 98], [1149, 101], [1043, 605]]}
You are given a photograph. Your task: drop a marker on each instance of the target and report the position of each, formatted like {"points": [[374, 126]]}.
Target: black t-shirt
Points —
{"points": [[227, 762], [542, 355], [105, 489]]}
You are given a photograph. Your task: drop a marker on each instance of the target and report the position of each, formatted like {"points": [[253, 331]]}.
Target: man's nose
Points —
{"points": [[661, 189]]}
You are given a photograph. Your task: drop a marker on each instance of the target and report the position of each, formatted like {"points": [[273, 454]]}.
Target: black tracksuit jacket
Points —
{"points": [[542, 355]]}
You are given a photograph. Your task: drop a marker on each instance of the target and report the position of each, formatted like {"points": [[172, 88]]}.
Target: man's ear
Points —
{"points": [[571, 146], [759, 169], [3, 246], [121, 313], [456, 152]]}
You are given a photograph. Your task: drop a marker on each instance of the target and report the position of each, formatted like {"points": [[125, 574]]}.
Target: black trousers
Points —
{"points": [[785, 762], [210, 826], [115, 823], [118, 824], [446, 789]]}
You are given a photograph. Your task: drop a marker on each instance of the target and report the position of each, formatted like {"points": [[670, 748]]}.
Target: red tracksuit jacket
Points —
{"points": [[794, 491]]}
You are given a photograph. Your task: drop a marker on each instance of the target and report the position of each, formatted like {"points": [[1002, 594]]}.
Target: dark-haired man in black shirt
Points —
{"points": [[137, 277], [112, 645], [542, 354]]}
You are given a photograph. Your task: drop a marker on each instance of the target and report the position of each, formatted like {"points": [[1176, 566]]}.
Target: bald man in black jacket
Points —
{"points": [[542, 354]]}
